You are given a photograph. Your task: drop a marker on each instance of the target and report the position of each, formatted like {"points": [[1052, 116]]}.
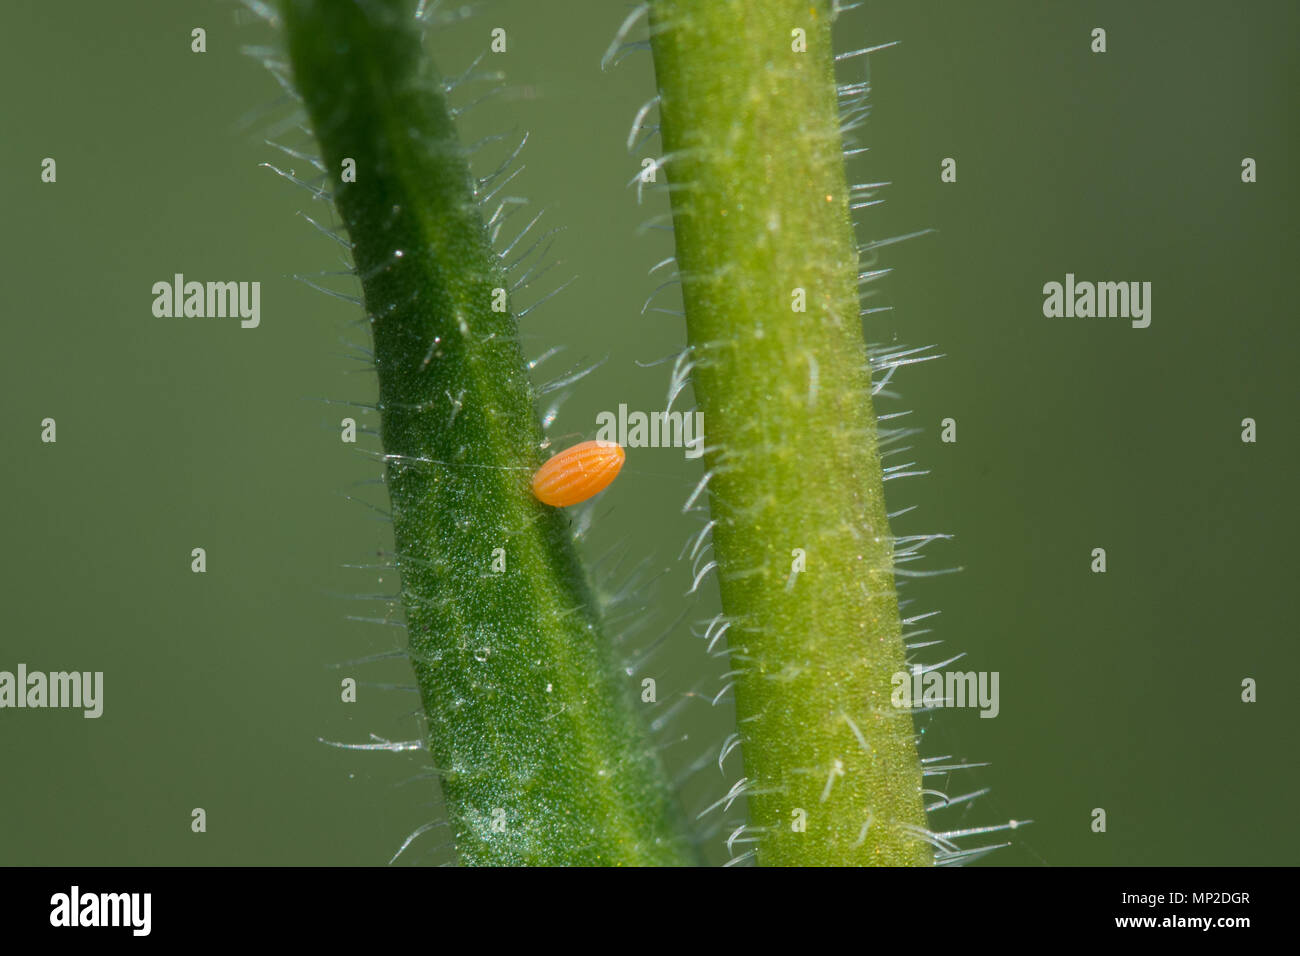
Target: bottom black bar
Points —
{"points": [[337, 905]]}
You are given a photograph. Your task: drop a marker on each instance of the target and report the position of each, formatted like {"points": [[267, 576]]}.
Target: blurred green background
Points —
{"points": [[1119, 691]]}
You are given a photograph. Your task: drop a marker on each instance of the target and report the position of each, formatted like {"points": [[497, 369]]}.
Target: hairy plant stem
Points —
{"points": [[531, 725], [751, 133]]}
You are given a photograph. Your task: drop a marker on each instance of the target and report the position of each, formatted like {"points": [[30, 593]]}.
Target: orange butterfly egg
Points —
{"points": [[577, 473]]}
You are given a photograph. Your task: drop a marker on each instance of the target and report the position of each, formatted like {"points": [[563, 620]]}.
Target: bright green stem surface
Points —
{"points": [[533, 729], [760, 208]]}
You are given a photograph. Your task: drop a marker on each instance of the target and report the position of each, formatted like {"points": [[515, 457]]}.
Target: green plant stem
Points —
{"points": [[541, 754], [760, 208]]}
